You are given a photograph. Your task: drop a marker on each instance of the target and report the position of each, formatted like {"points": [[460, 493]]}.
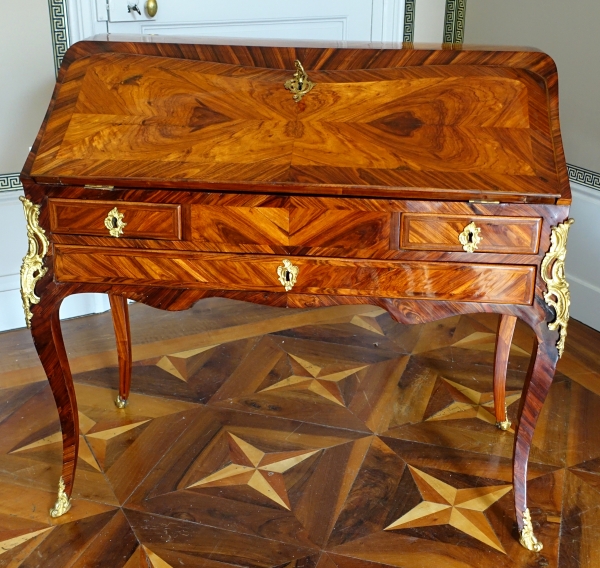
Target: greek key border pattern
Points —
{"points": [[59, 26], [10, 182], [454, 21], [409, 21], [584, 177]]}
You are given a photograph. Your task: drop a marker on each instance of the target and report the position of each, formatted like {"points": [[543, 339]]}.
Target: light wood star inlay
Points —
{"points": [[323, 385], [469, 403], [260, 470], [460, 508]]}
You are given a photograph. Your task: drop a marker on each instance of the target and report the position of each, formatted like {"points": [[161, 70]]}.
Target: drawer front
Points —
{"points": [[142, 221], [515, 235], [458, 282], [278, 226]]}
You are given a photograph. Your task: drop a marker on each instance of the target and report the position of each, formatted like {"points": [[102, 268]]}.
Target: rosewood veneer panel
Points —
{"points": [[201, 118], [517, 235], [144, 221], [424, 280]]}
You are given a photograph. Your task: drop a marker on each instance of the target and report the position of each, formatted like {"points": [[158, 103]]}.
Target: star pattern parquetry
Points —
{"points": [[460, 508], [469, 403], [326, 386], [259, 470]]}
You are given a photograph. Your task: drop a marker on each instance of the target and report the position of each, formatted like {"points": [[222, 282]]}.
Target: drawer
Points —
{"points": [[279, 226], [141, 220], [458, 282], [516, 235]]}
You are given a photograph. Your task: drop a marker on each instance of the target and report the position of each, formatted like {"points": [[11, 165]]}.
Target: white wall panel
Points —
{"points": [[583, 256]]}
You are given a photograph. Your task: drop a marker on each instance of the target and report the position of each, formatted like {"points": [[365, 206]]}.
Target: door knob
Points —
{"points": [[151, 8]]}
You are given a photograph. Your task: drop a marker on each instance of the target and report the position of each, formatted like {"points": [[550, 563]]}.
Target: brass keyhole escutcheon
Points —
{"points": [[470, 237], [288, 273], [299, 84], [114, 223]]}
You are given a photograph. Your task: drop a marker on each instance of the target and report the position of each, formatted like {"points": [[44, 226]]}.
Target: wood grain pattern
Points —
{"points": [[291, 227], [506, 329], [48, 341], [225, 176], [427, 281], [498, 234], [364, 450], [143, 221], [317, 144], [120, 316]]}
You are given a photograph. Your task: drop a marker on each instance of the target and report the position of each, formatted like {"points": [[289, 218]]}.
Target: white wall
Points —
{"points": [[583, 257], [567, 31], [429, 21], [27, 76], [27, 79]]}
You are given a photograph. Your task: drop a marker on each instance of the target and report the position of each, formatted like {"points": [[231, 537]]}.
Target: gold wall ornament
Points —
{"points": [[114, 223], [63, 503], [299, 84], [553, 274], [527, 538], [32, 268], [470, 237], [288, 273]]}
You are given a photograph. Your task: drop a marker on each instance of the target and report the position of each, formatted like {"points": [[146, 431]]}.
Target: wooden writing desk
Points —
{"points": [[428, 182]]}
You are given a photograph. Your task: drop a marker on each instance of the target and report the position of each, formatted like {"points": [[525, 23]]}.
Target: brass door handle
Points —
{"points": [[151, 8], [470, 237]]}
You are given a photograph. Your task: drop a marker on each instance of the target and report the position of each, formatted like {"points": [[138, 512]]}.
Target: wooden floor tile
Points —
{"points": [[304, 439]]}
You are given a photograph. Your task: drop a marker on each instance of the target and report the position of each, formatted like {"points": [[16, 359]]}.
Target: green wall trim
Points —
{"points": [[409, 21], [59, 27], [454, 21], [10, 182], [588, 178]]}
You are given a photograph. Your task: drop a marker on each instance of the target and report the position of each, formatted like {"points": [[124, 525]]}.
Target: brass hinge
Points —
{"points": [[105, 187], [481, 201]]}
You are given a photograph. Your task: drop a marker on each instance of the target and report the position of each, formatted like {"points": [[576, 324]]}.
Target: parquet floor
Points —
{"points": [[278, 438]]}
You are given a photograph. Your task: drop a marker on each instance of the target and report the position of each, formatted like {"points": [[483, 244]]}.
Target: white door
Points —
{"points": [[337, 20]]}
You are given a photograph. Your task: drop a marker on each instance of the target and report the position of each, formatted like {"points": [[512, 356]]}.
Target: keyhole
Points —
{"points": [[288, 275], [115, 223], [470, 237]]}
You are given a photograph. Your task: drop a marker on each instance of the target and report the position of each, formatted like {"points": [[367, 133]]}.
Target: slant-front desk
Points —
{"points": [[428, 182]]}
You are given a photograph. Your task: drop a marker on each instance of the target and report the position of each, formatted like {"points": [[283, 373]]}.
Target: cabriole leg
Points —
{"points": [[48, 340], [506, 329], [120, 317], [537, 384]]}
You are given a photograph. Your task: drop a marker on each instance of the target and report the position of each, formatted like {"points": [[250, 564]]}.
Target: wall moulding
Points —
{"points": [[584, 177], [10, 182]]}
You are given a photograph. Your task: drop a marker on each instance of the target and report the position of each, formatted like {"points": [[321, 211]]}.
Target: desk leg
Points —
{"points": [[48, 340], [537, 384], [120, 317], [506, 329]]}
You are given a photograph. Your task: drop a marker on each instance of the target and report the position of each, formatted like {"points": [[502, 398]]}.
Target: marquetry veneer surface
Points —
{"points": [[329, 438], [379, 121]]}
